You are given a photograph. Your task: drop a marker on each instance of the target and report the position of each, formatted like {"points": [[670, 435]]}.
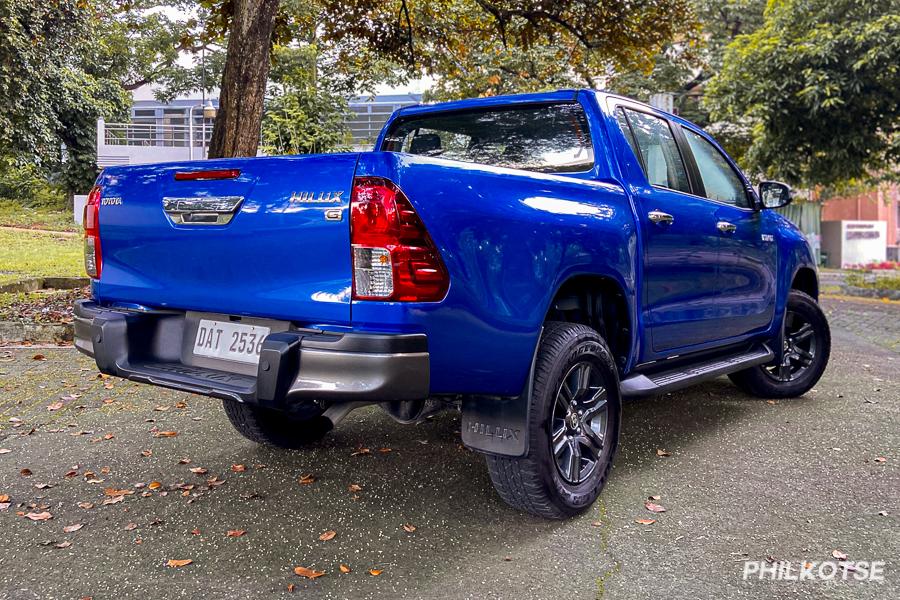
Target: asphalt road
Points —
{"points": [[747, 479]]}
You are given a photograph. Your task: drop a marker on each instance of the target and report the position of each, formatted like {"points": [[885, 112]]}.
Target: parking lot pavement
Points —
{"points": [[745, 479], [872, 320]]}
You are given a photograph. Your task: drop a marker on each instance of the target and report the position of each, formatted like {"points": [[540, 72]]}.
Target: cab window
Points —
{"points": [[657, 150], [720, 180]]}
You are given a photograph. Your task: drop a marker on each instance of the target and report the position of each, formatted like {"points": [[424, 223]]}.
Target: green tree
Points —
{"points": [[819, 83]]}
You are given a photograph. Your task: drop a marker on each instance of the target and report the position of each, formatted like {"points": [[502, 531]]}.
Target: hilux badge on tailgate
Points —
{"points": [[314, 198]]}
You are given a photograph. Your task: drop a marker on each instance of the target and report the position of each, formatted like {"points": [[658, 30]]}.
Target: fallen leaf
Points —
{"points": [[344, 568], [653, 497], [290, 588], [596, 524], [374, 572], [880, 459], [354, 488], [146, 453], [308, 573], [409, 528], [328, 535], [172, 562], [181, 404], [645, 521], [238, 468], [214, 481], [40, 516], [165, 434], [154, 485], [235, 533], [61, 545], [108, 436], [131, 527], [86, 505], [115, 492], [883, 513], [4, 497], [307, 479], [39, 357], [5, 450], [73, 528], [161, 408], [72, 473], [195, 531], [661, 452], [198, 471], [184, 461], [43, 486], [25, 472], [384, 450], [655, 508], [361, 452], [839, 555], [113, 500]]}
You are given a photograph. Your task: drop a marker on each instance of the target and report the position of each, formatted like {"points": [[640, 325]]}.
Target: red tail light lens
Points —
{"points": [[394, 258], [93, 258]]}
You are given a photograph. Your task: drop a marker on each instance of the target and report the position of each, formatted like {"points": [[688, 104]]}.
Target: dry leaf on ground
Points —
{"points": [[375, 572], [307, 479], [198, 470], [235, 533], [172, 562], [361, 452], [655, 508], [308, 573], [238, 468], [409, 528], [39, 516], [645, 521], [328, 535], [662, 452], [73, 528], [354, 488], [165, 434], [344, 568]]}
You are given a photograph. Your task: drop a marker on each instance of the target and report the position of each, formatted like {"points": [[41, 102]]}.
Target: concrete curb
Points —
{"points": [[12, 331], [850, 290], [44, 283]]}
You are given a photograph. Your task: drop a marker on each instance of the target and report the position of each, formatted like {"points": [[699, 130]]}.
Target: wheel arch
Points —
{"points": [[807, 281], [601, 303]]}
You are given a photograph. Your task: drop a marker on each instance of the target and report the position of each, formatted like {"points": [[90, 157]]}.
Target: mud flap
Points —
{"points": [[498, 425]]}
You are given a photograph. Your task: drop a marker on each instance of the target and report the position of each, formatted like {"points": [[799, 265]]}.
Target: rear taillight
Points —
{"points": [[394, 258], [93, 259]]}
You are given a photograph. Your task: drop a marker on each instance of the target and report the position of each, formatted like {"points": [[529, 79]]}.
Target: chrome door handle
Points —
{"points": [[660, 218], [726, 227]]}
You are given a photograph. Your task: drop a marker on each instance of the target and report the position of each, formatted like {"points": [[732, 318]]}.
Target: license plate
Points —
{"points": [[230, 341]]}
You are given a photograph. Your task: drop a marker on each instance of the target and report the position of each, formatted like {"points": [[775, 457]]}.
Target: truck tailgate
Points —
{"points": [[283, 253]]}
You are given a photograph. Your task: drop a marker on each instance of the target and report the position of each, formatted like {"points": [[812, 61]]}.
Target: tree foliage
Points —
{"points": [[819, 83], [489, 47]]}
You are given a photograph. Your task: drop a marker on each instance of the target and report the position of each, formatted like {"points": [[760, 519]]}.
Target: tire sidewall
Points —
{"points": [[574, 498]]}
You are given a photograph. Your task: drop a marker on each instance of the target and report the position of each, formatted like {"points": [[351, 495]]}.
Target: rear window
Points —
{"points": [[550, 138]]}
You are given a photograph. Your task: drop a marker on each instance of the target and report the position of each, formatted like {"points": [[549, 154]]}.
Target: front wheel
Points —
{"points": [[573, 427], [805, 352]]}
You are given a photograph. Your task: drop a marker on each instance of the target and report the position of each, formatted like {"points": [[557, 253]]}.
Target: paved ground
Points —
{"points": [[746, 479]]}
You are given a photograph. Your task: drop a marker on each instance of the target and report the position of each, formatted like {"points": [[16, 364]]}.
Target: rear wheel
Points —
{"points": [[573, 427], [276, 428], [805, 352]]}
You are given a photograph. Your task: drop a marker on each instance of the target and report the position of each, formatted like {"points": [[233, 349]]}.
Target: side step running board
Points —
{"points": [[666, 381]]}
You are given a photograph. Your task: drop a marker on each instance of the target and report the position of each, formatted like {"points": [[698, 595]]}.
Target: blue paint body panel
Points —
{"points": [[509, 239]]}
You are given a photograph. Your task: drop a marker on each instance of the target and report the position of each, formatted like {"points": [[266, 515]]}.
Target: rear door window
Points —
{"points": [[551, 138], [656, 149], [720, 180]]}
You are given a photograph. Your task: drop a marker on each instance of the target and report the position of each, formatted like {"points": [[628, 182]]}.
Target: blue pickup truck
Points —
{"points": [[529, 260]]}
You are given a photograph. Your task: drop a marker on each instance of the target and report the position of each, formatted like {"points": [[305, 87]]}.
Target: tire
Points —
{"points": [[807, 350], [275, 428], [535, 483]]}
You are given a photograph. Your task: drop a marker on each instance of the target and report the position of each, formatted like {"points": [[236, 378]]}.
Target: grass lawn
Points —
{"points": [[26, 254], [15, 215]]}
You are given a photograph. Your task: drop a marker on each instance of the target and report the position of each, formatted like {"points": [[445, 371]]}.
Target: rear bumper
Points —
{"points": [[295, 366]]}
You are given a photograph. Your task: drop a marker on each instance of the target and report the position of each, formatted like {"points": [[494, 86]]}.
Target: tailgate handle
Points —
{"points": [[209, 210]]}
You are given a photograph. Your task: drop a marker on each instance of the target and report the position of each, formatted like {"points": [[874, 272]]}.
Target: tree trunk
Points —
{"points": [[239, 118]]}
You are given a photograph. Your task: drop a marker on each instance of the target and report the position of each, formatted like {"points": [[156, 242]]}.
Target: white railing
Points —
{"points": [[151, 134]]}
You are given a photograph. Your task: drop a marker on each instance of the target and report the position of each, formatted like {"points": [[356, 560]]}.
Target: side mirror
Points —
{"points": [[774, 194]]}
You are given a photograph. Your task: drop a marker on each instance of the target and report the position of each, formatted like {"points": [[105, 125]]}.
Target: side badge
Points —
{"points": [[334, 214]]}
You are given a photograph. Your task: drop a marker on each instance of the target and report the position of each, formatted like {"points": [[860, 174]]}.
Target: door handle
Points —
{"points": [[660, 218], [726, 227]]}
